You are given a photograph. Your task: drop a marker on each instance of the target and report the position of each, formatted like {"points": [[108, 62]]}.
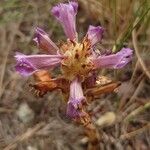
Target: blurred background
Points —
{"points": [[31, 123]]}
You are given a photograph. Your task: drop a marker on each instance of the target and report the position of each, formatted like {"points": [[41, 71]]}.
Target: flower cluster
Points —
{"points": [[77, 60]]}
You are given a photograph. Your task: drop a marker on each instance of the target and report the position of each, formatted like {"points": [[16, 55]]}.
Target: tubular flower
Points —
{"points": [[28, 64], [95, 34], [66, 15], [77, 60], [115, 61], [76, 99], [44, 42]]}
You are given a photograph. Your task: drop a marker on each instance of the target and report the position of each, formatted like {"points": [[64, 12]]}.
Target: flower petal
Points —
{"points": [[72, 110], [76, 91], [66, 15], [28, 64], [95, 34], [76, 99], [44, 42], [115, 61]]}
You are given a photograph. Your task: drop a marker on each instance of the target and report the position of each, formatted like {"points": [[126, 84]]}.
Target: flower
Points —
{"points": [[28, 64], [115, 61], [66, 15], [77, 60], [44, 42], [76, 99], [95, 34]]}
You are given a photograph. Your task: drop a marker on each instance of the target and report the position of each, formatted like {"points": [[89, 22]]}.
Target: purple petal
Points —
{"points": [[75, 6], [28, 64], [44, 42], [72, 110], [76, 99], [115, 61], [76, 91], [95, 34], [66, 15]]}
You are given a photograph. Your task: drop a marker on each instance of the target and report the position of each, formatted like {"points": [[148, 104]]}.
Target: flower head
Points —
{"points": [[77, 60]]}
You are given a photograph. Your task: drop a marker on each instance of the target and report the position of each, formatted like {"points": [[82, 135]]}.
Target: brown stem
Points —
{"points": [[91, 132], [93, 136]]}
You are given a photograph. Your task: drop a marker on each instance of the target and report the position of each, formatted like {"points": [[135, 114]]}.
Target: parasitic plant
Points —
{"points": [[78, 62]]}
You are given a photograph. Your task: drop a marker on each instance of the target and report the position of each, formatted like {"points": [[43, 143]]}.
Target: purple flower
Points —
{"points": [[76, 99], [95, 34], [28, 64], [66, 15], [44, 42], [78, 60], [115, 61]]}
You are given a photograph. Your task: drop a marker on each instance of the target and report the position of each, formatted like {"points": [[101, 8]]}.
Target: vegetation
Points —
{"points": [[122, 117]]}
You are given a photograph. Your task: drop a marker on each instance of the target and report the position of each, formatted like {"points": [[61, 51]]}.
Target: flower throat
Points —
{"points": [[77, 61]]}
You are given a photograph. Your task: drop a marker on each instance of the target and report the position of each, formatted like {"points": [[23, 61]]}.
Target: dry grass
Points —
{"points": [[49, 129]]}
